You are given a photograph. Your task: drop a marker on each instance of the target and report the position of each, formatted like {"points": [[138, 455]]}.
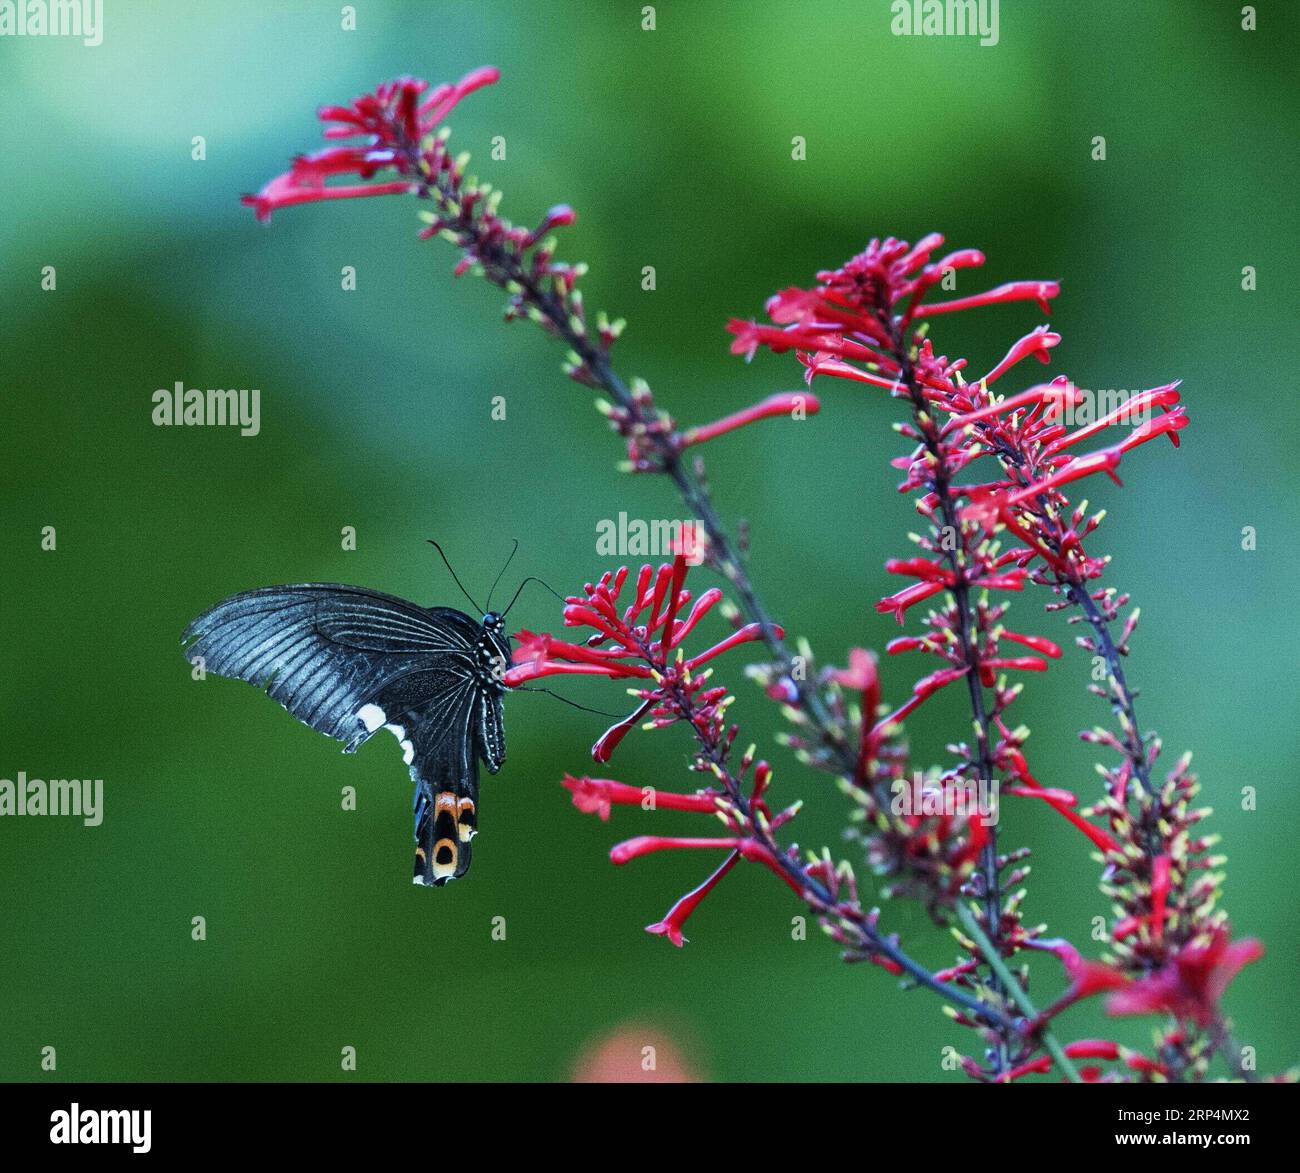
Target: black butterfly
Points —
{"points": [[349, 661]]}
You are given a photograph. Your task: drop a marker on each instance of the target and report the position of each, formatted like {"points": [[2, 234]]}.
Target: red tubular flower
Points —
{"points": [[394, 127], [1191, 983], [1054, 795], [631, 849], [1037, 342], [863, 676], [822, 363], [1019, 663], [783, 403], [749, 849], [1037, 642], [922, 690], [1160, 877], [1039, 291], [1087, 978], [1165, 396], [746, 635], [750, 336], [1014, 761], [1158, 900], [293, 188], [597, 795], [1082, 1049], [1093, 1049], [898, 603], [671, 925], [922, 568], [1058, 395], [444, 98], [612, 738], [341, 160]]}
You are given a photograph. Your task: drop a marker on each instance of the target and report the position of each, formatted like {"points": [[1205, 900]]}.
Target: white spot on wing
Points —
{"points": [[371, 716], [408, 750]]}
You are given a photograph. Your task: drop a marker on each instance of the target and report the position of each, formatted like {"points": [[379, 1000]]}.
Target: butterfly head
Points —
{"points": [[494, 652]]}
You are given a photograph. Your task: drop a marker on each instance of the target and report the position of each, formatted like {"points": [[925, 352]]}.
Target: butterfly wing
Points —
{"points": [[325, 651]]}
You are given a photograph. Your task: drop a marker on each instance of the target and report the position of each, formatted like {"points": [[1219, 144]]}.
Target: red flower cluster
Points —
{"points": [[394, 121], [854, 324], [640, 638], [400, 128], [866, 322]]}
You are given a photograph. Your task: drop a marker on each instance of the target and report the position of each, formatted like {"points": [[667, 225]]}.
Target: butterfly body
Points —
{"points": [[349, 662]]}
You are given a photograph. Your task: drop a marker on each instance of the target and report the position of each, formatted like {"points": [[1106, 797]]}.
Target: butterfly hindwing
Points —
{"points": [[442, 850], [348, 662], [436, 733]]}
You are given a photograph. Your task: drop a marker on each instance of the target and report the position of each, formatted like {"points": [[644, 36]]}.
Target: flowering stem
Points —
{"points": [[931, 437], [1122, 697], [1150, 838], [1123, 702], [971, 926], [815, 894]]}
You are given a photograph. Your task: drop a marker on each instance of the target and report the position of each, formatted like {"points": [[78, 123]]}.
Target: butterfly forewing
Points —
{"points": [[348, 661]]}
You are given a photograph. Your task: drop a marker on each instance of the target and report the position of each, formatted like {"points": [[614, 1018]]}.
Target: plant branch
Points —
{"points": [[972, 928]]}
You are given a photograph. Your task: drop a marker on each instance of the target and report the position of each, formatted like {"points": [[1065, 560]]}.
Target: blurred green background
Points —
{"points": [[675, 147]]}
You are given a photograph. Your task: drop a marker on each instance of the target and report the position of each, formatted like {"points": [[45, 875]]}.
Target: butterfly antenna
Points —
{"points": [[571, 704], [540, 582], [502, 571], [454, 579]]}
